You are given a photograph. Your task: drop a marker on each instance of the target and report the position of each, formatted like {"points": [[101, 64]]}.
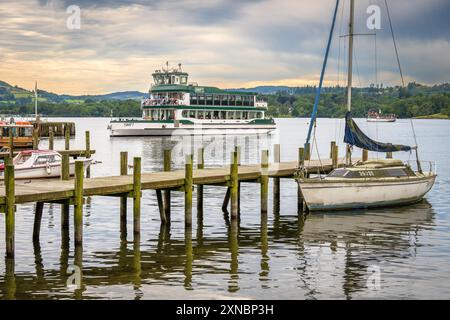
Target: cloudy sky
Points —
{"points": [[227, 43]]}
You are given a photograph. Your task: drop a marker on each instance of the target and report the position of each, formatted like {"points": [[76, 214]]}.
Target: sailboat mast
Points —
{"points": [[350, 55], [35, 100], [348, 155]]}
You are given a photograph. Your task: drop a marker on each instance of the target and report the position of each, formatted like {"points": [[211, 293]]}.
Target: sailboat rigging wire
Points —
{"points": [[319, 88], [395, 42]]}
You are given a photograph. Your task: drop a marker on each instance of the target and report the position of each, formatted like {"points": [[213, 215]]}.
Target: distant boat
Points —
{"points": [[375, 183], [374, 116], [22, 133]]}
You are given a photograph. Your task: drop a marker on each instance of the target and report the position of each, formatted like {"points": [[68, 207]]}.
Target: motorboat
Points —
{"points": [[35, 164]]}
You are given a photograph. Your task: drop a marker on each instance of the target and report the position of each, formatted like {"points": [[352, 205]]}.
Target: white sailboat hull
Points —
{"points": [[322, 195]]}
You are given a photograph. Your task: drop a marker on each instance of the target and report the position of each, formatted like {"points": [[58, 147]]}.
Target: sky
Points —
{"points": [[224, 43]]}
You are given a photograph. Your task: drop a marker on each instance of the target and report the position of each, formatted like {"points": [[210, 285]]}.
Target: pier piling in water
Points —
{"points": [[234, 185], [123, 199], [51, 138], [10, 209], [332, 145], [65, 167], [365, 155], [276, 181], [335, 159], [188, 183], [159, 199], [388, 155], [78, 202], [88, 152], [67, 139], [307, 151], [37, 220], [264, 180], [167, 168], [301, 163], [200, 165], [137, 193]]}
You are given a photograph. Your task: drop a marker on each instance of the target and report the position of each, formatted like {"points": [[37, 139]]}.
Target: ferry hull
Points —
{"points": [[122, 131], [343, 195], [380, 120]]}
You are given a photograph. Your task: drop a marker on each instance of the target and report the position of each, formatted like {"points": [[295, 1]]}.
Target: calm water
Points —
{"points": [[329, 255]]}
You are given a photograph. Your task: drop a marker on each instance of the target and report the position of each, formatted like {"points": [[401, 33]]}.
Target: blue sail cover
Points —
{"points": [[355, 137]]}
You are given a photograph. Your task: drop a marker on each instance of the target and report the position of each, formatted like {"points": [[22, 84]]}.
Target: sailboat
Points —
{"points": [[369, 184]]}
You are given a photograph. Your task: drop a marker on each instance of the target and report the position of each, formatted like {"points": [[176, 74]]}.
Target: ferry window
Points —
{"points": [[251, 115], [201, 99], [209, 100], [238, 100], [194, 99], [396, 173], [223, 114], [245, 115], [245, 101], [170, 114], [238, 115], [183, 80], [208, 115], [184, 114], [216, 100], [216, 115], [200, 114], [231, 100], [224, 100], [259, 115], [230, 114], [192, 114]]}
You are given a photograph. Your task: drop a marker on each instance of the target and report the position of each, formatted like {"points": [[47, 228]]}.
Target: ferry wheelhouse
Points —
{"points": [[176, 107]]}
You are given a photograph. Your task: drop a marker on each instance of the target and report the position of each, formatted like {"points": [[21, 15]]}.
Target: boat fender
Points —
{"points": [[48, 169]]}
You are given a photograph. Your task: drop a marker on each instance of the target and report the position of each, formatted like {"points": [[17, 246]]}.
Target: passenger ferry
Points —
{"points": [[176, 107]]}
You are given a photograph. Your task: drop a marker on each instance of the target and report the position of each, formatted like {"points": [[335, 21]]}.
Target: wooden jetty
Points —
{"points": [[58, 128], [72, 192]]}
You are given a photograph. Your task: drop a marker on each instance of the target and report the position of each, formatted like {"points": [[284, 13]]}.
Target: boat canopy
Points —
{"points": [[356, 137]]}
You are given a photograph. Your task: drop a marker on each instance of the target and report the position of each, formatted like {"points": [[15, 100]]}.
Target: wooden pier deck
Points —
{"points": [[67, 192], [51, 190]]}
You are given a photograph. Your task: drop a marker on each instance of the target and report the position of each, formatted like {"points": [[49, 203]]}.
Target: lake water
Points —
{"points": [[386, 253]]}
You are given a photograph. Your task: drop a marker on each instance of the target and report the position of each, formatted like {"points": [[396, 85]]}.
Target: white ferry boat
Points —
{"points": [[176, 107]]}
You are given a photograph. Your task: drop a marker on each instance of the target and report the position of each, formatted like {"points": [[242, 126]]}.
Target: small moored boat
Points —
{"points": [[35, 164]]}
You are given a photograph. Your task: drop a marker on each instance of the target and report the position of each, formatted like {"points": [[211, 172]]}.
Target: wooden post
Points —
{"points": [[65, 210], [188, 191], [161, 206], [167, 167], [37, 220], [88, 152], [335, 158], [51, 137], [11, 143], [200, 165], [388, 155], [65, 172], [123, 199], [137, 195], [307, 151], [78, 210], [276, 181], [332, 145], [234, 186], [301, 163], [365, 155], [35, 138], [238, 151], [264, 180], [226, 200], [67, 138], [10, 210]]}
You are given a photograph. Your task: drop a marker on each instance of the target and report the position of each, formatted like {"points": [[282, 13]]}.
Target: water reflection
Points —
{"points": [[347, 243]]}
